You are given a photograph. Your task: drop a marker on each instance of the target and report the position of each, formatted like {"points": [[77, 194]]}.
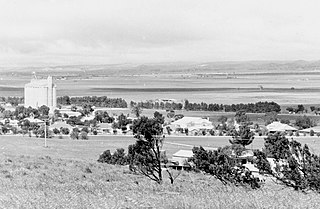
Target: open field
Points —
{"points": [[284, 83], [49, 180], [92, 148]]}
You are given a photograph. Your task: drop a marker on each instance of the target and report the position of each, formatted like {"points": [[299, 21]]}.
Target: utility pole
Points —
{"points": [[45, 132]]}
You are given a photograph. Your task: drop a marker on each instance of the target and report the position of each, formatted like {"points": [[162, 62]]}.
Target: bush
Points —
{"points": [[117, 158], [297, 133], [65, 131], [311, 132], [74, 135], [95, 132], [85, 129], [84, 135], [56, 131]]}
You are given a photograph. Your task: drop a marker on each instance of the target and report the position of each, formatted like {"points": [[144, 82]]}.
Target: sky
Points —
{"points": [[70, 32]]}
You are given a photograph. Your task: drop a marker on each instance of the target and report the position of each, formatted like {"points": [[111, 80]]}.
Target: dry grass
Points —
{"points": [[41, 182], [66, 175]]}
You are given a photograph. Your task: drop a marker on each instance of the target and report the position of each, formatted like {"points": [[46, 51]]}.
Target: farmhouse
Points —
{"points": [[40, 92]]}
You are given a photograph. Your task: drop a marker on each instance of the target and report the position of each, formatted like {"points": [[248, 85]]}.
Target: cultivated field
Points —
{"points": [[284, 83], [66, 175]]}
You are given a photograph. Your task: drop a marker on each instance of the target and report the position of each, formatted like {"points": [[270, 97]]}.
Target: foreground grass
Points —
{"points": [[42, 182]]}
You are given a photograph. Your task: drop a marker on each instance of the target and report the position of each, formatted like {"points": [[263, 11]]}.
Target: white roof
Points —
{"points": [[183, 153], [200, 127], [60, 124], [105, 125], [90, 117], [187, 122], [34, 120], [277, 126], [10, 121]]}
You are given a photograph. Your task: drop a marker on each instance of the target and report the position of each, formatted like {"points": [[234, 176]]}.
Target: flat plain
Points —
{"points": [[284, 83]]}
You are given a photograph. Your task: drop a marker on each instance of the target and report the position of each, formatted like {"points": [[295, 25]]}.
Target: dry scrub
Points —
{"points": [[29, 182]]}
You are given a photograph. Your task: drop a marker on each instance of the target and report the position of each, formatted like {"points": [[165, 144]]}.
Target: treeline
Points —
{"points": [[157, 105], [14, 101], [102, 101], [259, 107]]}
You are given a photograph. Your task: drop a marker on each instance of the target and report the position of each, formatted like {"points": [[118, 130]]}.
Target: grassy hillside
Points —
{"points": [[41, 182]]}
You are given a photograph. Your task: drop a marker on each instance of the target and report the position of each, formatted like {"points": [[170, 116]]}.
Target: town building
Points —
{"points": [[40, 92]]}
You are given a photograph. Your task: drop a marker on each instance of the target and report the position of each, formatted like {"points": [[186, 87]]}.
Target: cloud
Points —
{"points": [[79, 31]]}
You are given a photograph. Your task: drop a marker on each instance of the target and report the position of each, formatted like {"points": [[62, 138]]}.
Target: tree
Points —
{"points": [[295, 166], [136, 110], [222, 119], [242, 119], [304, 122], [219, 164], [145, 154], [44, 110], [243, 137]]}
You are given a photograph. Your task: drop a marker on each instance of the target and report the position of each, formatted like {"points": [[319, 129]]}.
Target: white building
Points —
{"points": [[40, 92]]}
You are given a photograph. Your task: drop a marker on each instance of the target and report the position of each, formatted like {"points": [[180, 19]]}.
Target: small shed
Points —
{"points": [[181, 157]]}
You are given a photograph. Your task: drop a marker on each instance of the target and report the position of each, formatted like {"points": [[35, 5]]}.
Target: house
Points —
{"points": [[105, 127], [279, 127], [59, 124], [34, 120], [192, 124]]}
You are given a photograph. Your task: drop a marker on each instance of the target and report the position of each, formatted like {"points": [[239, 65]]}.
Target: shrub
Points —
{"points": [[84, 135], [56, 131], [117, 158], [297, 133], [85, 129], [65, 131], [311, 132], [223, 167], [95, 132], [74, 135]]}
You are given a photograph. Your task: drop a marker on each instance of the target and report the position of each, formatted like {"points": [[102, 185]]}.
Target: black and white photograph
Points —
{"points": [[159, 104]]}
